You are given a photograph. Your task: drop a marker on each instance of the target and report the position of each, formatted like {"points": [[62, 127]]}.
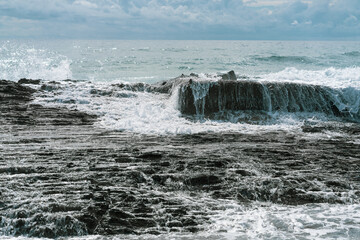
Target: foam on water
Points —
{"points": [[313, 221], [332, 77], [155, 113], [232, 220], [145, 112]]}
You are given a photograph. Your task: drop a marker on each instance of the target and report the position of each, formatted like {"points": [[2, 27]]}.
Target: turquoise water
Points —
{"points": [[151, 61]]}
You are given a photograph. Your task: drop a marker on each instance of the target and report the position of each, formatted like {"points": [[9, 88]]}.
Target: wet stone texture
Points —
{"points": [[73, 179]]}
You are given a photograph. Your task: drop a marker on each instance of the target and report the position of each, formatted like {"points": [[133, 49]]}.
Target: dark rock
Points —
{"points": [[119, 230], [229, 76], [29, 81], [20, 223], [177, 212], [232, 95], [118, 213], [189, 222], [139, 177], [142, 222], [90, 221], [151, 155], [119, 222], [153, 232], [21, 214], [172, 224], [243, 172], [12, 91], [48, 233], [142, 208], [192, 229], [15, 108], [203, 179]]}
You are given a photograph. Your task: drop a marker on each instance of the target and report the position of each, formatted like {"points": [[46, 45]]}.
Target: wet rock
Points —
{"points": [[90, 221], [139, 177], [172, 224], [118, 213], [233, 95], [21, 214], [203, 179], [243, 172], [14, 92], [48, 233], [29, 81], [142, 208], [15, 108], [153, 232], [98, 182], [142, 222], [151, 155], [189, 222], [229, 76]]}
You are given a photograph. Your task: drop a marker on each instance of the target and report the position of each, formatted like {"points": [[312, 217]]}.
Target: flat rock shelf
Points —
{"points": [[62, 176]]}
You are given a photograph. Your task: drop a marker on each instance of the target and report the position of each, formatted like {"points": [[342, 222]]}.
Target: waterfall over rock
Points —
{"points": [[205, 97]]}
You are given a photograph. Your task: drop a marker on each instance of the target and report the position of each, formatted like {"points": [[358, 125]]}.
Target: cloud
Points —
{"points": [[181, 19]]}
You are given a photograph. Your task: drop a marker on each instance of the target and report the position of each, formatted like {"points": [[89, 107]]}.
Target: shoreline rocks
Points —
{"points": [[62, 176]]}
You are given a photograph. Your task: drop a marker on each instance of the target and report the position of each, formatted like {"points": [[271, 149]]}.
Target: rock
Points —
{"points": [[257, 97], [172, 224], [203, 179], [142, 222], [139, 177], [97, 182], [151, 155], [15, 108], [21, 214], [90, 221], [29, 81], [229, 76], [118, 213], [15, 92], [189, 222], [243, 172]]}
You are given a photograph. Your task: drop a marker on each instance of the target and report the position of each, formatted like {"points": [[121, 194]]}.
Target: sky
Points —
{"points": [[181, 19]]}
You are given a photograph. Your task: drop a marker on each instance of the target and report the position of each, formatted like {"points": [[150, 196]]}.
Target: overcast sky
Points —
{"points": [[181, 19]]}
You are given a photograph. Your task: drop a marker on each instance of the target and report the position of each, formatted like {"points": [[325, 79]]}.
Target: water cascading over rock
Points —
{"points": [[206, 97]]}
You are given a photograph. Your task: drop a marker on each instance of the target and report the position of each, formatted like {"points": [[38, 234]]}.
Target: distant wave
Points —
{"points": [[352, 54], [293, 59], [331, 77]]}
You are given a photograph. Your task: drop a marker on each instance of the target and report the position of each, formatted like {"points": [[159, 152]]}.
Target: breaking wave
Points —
{"points": [[290, 59], [27, 62], [205, 103]]}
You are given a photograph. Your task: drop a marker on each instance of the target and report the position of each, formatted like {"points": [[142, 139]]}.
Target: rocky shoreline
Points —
{"points": [[62, 176]]}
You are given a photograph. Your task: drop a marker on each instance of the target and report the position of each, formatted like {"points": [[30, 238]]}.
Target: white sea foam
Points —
{"points": [[331, 77], [313, 221], [155, 113], [28, 62], [268, 221]]}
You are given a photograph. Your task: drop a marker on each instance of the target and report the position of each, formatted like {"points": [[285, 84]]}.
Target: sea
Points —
{"points": [[89, 73], [101, 64]]}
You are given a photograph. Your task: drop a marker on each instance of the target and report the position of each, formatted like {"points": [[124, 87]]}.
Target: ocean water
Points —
{"points": [[101, 64], [97, 69]]}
